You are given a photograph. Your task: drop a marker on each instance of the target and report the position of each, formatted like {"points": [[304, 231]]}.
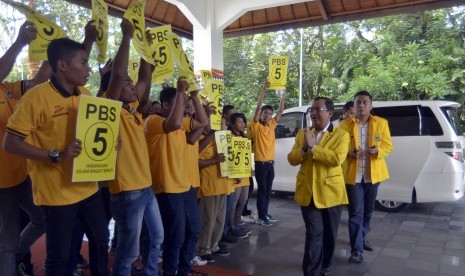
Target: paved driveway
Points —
{"points": [[427, 239]]}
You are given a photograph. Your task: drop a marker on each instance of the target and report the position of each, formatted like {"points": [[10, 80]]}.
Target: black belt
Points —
{"points": [[265, 162]]}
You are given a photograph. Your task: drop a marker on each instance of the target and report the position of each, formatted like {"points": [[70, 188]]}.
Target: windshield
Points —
{"points": [[453, 116]]}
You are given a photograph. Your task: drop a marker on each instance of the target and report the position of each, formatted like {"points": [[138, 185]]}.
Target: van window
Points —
{"points": [[403, 120], [452, 115], [289, 125], [429, 123]]}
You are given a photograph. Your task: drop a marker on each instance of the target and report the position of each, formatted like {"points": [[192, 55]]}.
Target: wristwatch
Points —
{"points": [[54, 154]]}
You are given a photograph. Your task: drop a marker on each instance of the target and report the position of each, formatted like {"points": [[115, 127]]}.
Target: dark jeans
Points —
{"points": [[320, 237], [362, 198], [131, 209], [61, 221], [181, 221], [264, 174], [246, 211], [14, 243], [229, 201], [80, 230]]}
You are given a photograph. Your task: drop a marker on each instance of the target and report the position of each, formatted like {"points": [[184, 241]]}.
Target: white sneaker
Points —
{"points": [[197, 261], [248, 219]]}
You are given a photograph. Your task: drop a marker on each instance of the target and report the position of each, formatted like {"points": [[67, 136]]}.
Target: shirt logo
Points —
{"points": [[377, 139], [9, 94], [59, 111]]}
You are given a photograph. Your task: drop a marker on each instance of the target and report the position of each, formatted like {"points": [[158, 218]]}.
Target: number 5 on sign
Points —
{"points": [[135, 14], [100, 15], [97, 128], [277, 73]]}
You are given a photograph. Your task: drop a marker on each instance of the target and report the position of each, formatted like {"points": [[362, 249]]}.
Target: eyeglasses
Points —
{"points": [[317, 109]]}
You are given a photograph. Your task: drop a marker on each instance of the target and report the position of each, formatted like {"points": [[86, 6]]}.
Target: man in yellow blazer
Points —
{"points": [[320, 189], [364, 169]]}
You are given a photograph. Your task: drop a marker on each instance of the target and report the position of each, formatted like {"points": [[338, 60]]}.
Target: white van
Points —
{"points": [[426, 165]]}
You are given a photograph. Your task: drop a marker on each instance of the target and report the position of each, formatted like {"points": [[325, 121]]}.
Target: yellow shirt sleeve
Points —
{"points": [[25, 119], [154, 125]]}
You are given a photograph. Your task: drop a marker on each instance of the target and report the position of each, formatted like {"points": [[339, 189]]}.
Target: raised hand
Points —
{"points": [[182, 85], [27, 33], [90, 31], [127, 28]]}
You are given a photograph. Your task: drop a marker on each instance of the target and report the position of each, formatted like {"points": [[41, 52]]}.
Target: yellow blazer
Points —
{"points": [[380, 136], [320, 173]]}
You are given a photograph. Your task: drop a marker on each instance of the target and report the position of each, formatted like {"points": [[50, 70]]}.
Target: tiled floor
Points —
{"points": [[427, 239]]}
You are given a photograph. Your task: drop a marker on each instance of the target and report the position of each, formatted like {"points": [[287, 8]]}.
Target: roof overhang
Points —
{"points": [[298, 15]]}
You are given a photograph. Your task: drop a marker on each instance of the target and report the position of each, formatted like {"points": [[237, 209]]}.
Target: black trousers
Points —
{"points": [[320, 237], [60, 226], [264, 174]]}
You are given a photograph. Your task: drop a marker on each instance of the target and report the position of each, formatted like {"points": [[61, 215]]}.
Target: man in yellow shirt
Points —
{"points": [[320, 188], [132, 199], [165, 134], [15, 185], [212, 198], [42, 129], [364, 169], [263, 129]]}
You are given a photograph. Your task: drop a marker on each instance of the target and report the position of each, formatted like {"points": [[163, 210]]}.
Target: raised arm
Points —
{"points": [[261, 96], [27, 33], [174, 120], [280, 110], [119, 71], [44, 73], [90, 35], [102, 71], [143, 81], [201, 118]]}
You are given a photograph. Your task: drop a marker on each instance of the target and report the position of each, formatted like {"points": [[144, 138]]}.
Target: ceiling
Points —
{"points": [[304, 14]]}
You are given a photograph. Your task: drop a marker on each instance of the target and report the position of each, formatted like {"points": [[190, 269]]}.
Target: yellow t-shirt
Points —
{"points": [[46, 117], [14, 167], [132, 163], [211, 182], [264, 140], [167, 153], [193, 156]]}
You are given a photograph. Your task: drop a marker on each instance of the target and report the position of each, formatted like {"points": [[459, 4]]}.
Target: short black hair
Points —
{"points": [[167, 94], [62, 49], [226, 108], [105, 81], [234, 118], [265, 107], [348, 105], [363, 93], [329, 104]]}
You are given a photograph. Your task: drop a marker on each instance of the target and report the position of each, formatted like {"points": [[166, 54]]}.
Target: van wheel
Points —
{"points": [[391, 206]]}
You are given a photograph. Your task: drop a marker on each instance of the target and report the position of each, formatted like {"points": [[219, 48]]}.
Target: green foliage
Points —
{"points": [[411, 56]]}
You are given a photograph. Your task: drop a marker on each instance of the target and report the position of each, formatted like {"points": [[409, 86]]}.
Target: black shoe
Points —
{"points": [[208, 257], [326, 270], [367, 246], [221, 252], [228, 238], [356, 258]]}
